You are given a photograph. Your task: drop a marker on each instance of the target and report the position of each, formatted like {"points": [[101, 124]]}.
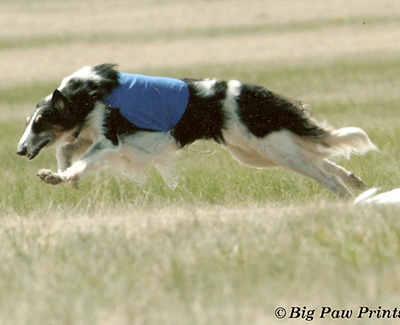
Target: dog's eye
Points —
{"points": [[28, 119], [38, 118]]}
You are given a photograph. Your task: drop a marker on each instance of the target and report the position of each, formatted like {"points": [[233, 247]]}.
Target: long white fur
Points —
{"points": [[350, 140], [28, 131], [86, 73]]}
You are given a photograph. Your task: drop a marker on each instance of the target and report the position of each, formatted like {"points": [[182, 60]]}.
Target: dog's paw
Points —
{"points": [[357, 182], [49, 177]]}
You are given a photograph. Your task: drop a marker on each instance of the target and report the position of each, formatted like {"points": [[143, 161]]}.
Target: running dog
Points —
{"points": [[101, 117]]}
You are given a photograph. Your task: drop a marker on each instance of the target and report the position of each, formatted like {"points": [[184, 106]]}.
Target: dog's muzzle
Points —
{"points": [[22, 151], [32, 151]]}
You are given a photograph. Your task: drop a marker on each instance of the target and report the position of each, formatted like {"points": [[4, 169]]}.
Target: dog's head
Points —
{"points": [[61, 114], [46, 125]]}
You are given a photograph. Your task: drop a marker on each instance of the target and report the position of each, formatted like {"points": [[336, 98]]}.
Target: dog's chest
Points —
{"points": [[152, 103]]}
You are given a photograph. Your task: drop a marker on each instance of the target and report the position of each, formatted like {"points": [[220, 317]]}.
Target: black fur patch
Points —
{"points": [[53, 113], [109, 80], [204, 117], [78, 98], [84, 93], [263, 112], [116, 125]]}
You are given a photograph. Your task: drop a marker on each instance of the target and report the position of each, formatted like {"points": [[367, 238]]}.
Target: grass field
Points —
{"points": [[229, 244]]}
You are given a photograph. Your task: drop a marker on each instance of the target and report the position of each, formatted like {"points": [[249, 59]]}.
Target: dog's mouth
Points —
{"points": [[34, 153]]}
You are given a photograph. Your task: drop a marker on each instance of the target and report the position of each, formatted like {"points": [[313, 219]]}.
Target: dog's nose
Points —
{"points": [[21, 151]]}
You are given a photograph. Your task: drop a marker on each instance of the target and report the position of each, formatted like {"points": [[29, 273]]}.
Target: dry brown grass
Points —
{"points": [[50, 39]]}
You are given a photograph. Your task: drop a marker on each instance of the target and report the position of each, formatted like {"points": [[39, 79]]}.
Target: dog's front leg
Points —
{"points": [[67, 152], [91, 160]]}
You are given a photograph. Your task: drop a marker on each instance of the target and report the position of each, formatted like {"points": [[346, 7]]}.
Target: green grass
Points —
{"points": [[229, 244]]}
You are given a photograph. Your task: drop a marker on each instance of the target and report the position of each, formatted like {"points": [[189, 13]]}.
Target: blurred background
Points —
{"points": [[47, 40]]}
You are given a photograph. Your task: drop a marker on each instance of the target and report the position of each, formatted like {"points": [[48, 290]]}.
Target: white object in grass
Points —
{"points": [[371, 197]]}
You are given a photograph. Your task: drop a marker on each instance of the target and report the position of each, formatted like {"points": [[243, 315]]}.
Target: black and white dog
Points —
{"points": [[128, 122]]}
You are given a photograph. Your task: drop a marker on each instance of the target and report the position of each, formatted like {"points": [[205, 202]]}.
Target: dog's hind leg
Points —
{"points": [[309, 168], [280, 148], [348, 177], [249, 157]]}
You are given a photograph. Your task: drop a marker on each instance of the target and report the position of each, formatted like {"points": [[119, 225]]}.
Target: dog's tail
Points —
{"points": [[347, 141]]}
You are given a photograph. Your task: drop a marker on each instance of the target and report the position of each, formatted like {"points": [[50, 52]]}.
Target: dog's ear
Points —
{"points": [[58, 101]]}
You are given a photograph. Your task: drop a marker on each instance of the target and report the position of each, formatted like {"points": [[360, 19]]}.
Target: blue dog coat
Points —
{"points": [[151, 103]]}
